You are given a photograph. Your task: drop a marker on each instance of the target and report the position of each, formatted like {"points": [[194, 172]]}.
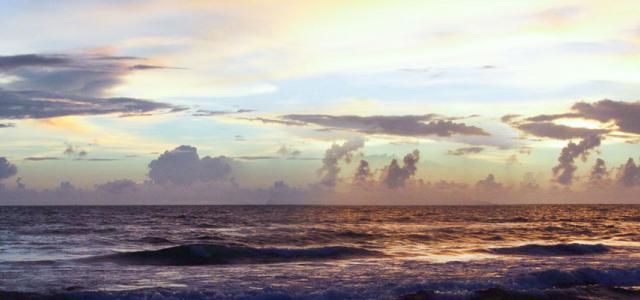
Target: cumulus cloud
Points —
{"points": [[183, 166], [7, 125], [117, 186], [564, 171], [409, 125], [629, 174], [395, 176], [363, 173], [7, 169], [73, 150], [465, 151], [489, 183], [330, 163], [599, 174], [288, 152], [529, 182]]}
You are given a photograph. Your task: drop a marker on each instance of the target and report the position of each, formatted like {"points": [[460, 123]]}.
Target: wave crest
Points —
{"points": [[552, 250], [209, 254]]}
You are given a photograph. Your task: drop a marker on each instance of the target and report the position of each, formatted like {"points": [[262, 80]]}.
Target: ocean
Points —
{"points": [[320, 252]]}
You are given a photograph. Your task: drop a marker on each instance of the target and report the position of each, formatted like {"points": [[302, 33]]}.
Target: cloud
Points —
{"points": [[525, 150], [212, 113], [72, 150], [151, 67], [408, 125], [395, 176], [37, 105], [7, 125], [629, 174], [489, 183], [288, 152], [555, 131], [512, 160], [363, 173], [254, 157], [624, 115], [117, 186], [275, 121], [465, 150], [547, 118], [82, 74], [30, 60], [82, 158], [333, 156], [48, 86], [41, 158], [183, 166], [509, 118], [565, 169], [599, 174], [7, 169]]}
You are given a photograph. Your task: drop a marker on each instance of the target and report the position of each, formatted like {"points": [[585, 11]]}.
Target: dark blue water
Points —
{"points": [[306, 252]]}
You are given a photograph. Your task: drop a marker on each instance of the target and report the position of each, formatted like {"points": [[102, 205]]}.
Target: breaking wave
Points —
{"points": [[552, 250], [209, 254]]}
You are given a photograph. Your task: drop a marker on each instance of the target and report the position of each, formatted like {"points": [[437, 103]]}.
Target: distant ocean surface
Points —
{"points": [[320, 252]]}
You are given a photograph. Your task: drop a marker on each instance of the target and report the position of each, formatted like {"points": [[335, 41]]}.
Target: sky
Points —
{"points": [[338, 102]]}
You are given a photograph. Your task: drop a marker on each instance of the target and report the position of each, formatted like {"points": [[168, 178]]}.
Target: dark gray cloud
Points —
{"points": [[408, 125], [629, 174], [395, 176], [465, 151], [41, 158], [509, 118], [333, 156], [151, 67], [7, 125], [599, 174], [61, 85], [564, 171], [31, 60], [37, 105], [363, 173], [117, 186], [70, 74], [183, 166], [526, 150], [547, 118], [626, 115], [288, 152], [255, 157], [212, 113], [555, 131], [489, 183], [7, 169], [89, 159], [275, 121], [73, 150]]}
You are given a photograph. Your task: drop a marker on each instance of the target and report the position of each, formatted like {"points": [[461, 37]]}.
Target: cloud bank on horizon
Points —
{"points": [[294, 102]]}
